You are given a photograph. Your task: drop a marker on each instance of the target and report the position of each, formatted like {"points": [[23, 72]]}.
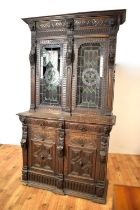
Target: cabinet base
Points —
{"points": [[94, 197]]}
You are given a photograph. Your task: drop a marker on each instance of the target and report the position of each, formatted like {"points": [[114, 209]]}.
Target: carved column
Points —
{"points": [[101, 184], [32, 58], [60, 156], [24, 148], [69, 62]]}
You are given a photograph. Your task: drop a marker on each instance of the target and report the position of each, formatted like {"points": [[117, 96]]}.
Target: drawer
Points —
{"points": [[39, 133], [80, 139], [84, 127], [45, 123]]}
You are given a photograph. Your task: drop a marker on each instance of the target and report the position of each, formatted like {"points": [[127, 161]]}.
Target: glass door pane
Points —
{"points": [[89, 76], [50, 78]]}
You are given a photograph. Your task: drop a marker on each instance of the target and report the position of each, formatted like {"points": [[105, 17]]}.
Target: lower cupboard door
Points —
{"points": [[79, 166]]}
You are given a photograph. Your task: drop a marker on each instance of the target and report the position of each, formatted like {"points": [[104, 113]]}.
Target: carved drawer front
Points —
{"points": [[84, 127]]}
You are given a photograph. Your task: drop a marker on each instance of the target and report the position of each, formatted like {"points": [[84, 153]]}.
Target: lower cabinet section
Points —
{"points": [[64, 157]]}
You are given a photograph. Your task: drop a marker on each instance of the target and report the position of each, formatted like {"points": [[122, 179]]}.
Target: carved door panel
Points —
{"points": [[80, 161], [45, 152], [42, 144]]}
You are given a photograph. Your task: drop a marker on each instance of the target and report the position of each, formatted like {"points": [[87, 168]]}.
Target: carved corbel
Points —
{"points": [[107, 130], [24, 136], [24, 131]]}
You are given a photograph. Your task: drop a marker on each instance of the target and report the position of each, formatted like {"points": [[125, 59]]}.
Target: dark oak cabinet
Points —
{"points": [[66, 131]]}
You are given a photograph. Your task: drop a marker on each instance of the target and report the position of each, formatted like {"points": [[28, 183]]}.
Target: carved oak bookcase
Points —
{"points": [[66, 131]]}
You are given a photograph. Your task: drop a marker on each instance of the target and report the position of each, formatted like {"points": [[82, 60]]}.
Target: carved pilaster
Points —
{"points": [[24, 148], [104, 144], [103, 154], [103, 149], [60, 142], [32, 59], [69, 62], [60, 155]]}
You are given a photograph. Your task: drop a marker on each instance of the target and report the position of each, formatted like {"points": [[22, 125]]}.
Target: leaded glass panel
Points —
{"points": [[50, 78], [89, 76]]}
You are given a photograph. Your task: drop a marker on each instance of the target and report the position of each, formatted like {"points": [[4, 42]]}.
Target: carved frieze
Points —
{"points": [[56, 24], [76, 23]]}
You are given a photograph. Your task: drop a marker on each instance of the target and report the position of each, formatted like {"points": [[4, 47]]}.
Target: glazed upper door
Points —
{"points": [[50, 75], [89, 74]]}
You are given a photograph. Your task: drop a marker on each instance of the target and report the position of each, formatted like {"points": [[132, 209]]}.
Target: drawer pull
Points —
{"points": [[83, 128]]}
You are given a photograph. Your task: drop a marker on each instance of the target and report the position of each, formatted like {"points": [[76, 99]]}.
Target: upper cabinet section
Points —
{"points": [[72, 61]]}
